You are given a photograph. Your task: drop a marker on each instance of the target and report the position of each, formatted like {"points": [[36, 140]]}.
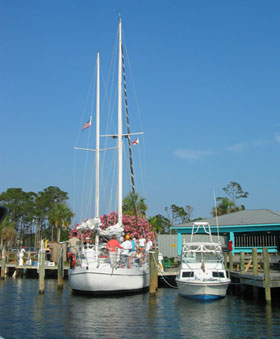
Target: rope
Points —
{"points": [[159, 272]]}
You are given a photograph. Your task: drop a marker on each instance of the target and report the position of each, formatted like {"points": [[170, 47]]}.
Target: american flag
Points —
{"points": [[87, 124], [135, 142]]}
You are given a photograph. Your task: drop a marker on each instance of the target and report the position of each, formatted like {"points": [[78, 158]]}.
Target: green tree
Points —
{"points": [[60, 216], [21, 208], [234, 191], [128, 205], [45, 202], [178, 215], [25, 208], [227, 204], [159, 223], [8, 233], [18, 202]]}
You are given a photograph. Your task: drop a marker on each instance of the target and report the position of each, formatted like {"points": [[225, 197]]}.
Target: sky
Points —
{"points": [[207, 82]]}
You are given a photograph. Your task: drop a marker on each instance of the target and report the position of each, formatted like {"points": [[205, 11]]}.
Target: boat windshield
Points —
{"points": [[197, 257]]}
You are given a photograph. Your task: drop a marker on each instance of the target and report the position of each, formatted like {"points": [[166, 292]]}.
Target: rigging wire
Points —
{"points": [[141, 161], [85, 196], [216, 217]]}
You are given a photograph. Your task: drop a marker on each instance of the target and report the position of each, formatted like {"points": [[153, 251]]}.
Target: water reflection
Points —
{"points": [[110, 317], [59, 314], [268, 318]]}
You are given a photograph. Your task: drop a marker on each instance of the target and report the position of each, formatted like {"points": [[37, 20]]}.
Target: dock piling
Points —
{"points": [[153, 263], [255, 261], [230, 262], [60, 269], [3, 264], [42, 268], [225, 260], [242, 262], [266, 275], [255, 269]]}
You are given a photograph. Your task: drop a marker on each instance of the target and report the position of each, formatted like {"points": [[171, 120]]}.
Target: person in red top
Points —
{"points": [[112, 246]]}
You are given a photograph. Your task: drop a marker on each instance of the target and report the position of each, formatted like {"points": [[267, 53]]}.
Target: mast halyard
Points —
{"points": [[129, 142], [120, 127]]}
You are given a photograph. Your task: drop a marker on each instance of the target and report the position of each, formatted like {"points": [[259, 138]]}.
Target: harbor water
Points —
{"points": [[59, 314]]}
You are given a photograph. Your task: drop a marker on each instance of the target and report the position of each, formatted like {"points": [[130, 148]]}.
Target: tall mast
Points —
{"points": [[120, 125], [97, 151], [97, 137]]}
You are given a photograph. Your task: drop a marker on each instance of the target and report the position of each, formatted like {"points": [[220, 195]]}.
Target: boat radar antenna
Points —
{"points": [[216, 217]]}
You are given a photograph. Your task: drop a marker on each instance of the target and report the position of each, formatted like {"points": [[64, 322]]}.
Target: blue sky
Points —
{"points": [[207, 80]]}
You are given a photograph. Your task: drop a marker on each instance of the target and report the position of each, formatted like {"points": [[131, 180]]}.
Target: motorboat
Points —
{"points": [[202, 272]]}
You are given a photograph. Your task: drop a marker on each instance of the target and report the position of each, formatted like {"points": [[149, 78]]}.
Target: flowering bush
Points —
{"points": [[140, 229]]}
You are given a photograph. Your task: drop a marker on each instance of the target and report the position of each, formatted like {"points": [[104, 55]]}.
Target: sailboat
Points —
{"points": [[202, 272], [95, 271]]}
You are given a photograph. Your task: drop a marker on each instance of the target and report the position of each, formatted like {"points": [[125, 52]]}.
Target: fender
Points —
{"points": [[72, 260]]}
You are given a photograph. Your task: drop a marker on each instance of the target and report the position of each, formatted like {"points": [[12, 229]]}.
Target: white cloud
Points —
{"points": [[239, 147], [236, 148], [187, 154], [262, 142], [277, 137], [191, 155]]}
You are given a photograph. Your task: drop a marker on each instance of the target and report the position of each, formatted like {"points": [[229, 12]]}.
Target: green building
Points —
{"points": [[245, 229]]}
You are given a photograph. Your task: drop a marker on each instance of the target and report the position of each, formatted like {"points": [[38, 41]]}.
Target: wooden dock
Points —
{"points": [[257, 281], [258, 271]]}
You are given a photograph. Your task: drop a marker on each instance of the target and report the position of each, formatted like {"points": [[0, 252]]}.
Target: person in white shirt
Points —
{"points": [[142, 242], [149, 245], [127, 247], [21, 254]]}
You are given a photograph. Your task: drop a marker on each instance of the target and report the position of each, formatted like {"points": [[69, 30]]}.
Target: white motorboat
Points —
{"points": [[202, 272], [94, 269]]}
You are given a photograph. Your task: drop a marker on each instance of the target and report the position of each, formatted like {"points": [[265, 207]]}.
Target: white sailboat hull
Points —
{"points": [[104, 279], [202, 290]]}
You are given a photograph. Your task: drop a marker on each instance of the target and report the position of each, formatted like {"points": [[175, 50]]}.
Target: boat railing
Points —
{"points": [[130, 260], [116, 258], [200, 224]]}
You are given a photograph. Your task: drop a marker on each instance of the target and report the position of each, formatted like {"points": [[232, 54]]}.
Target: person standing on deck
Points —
{"points": [[148, 247], [133, 243], [74, 243], [21, 254], [127, 247], [48, 253], [112, 246], [142, 243]]}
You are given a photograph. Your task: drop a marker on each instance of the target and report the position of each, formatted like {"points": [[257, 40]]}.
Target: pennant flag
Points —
{"points": [[87, 124], [135, 142]]}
